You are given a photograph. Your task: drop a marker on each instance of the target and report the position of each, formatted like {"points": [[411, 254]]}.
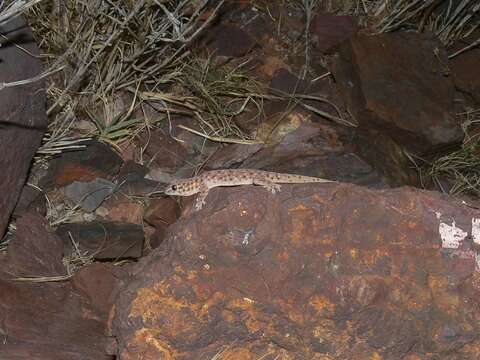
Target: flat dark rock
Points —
{"points": [[95, 160], [24, 119], [103, 240]]}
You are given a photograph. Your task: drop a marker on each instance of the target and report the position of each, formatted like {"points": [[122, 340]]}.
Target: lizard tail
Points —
{"points": [[294, 179]]}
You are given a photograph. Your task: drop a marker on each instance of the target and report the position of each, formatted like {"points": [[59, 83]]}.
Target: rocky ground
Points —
{"points": [[96, 263]]}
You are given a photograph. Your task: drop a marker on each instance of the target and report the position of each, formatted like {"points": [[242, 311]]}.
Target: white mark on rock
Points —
{"points": [[476, 231], [451, 235]]}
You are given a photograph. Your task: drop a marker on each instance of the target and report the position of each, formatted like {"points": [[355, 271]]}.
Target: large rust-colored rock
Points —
{"points": [[317, 271], [24, 119]]}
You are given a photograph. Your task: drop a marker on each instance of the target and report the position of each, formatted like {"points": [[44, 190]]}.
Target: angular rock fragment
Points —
{"points": [[89, 195], [329, 31], [51, 319], [398, 85], [102, 240], [161, 213], [31, 198], [34, 250], [95, 160], [465, 69], [231, 41]]}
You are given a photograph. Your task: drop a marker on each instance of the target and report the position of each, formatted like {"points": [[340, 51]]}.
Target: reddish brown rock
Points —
{"points": [[99, 283], [315, 271], [131, 170], [230, 40], [386, 156], [162, 212], [285, 82], [157, 237], [161, 150], [465, 72], [406, 92], [34, 251], [52, 320], [24, 118], [49, 321], [31, 199], [103, 240], [96, 160], [121, 208], [313, 149], [329, 31], [231, 156]]}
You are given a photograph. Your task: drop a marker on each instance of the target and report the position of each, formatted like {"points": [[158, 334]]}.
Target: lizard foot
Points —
{"points": [[199, 204], [200, 200], [272, 187]]}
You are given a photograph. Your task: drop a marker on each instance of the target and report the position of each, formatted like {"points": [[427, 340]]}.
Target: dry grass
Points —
{"points": [[449, 20], [139, 52], [461, 167], [104, 50], [10, 9]]}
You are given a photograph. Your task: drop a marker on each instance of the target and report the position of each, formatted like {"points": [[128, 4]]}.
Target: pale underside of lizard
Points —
{"points": [[203, 183]]}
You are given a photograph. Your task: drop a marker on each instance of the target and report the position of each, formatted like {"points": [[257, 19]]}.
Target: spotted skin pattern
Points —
{"points": [[201, 184]]}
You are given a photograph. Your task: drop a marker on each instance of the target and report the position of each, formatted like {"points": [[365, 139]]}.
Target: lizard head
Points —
{"points": [[181, 188]]}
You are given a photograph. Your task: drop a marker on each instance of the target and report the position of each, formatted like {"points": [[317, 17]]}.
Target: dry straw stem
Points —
{"points": [[221, 139], [11, 9], [308, 7], [42, 279]]}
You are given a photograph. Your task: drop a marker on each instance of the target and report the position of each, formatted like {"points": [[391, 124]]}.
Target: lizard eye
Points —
{"points": [[174, 187]]}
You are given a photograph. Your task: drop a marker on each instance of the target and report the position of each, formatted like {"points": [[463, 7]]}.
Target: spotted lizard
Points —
{"points": [[201, 184]]}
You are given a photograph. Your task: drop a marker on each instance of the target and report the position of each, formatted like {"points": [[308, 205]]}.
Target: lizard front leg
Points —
{"points": [[267, 184], [202, 195]]}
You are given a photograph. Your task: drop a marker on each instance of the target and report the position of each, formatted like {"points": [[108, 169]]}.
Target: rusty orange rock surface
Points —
{"points": [[329, 271]]}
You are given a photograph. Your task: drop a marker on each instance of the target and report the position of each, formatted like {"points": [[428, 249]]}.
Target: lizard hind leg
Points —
{"points": [[267, 184]]}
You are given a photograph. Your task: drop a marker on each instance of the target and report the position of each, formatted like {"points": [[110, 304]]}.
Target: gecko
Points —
{"points": [[201, 184]]}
